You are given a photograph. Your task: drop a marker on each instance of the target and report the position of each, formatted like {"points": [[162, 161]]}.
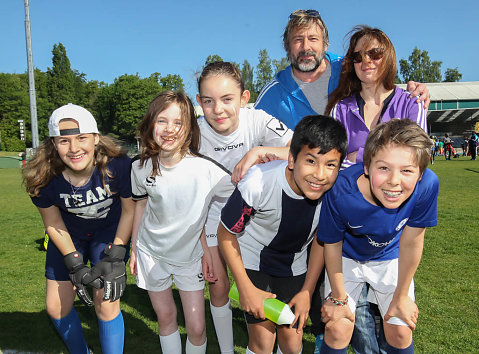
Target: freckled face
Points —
{"points": [[393, 175], [167, 132]]}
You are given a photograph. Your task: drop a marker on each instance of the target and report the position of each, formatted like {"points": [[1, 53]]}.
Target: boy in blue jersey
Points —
{"points": [[268, 223], [372, 224]]}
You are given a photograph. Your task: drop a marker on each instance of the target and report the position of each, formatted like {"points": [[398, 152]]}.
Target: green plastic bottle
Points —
{"points": [[274, 310]]}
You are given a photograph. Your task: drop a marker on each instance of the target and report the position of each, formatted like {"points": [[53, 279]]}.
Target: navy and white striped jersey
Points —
{"points": [[274, 225]]}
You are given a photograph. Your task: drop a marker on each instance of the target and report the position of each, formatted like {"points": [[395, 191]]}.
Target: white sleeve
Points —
{"points": [[223, 186], [271, 131], [138, 189]]}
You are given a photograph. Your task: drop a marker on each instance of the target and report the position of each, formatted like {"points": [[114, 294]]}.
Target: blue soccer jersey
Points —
{"points": [[371, 232], [274, 225], [92, 207]]}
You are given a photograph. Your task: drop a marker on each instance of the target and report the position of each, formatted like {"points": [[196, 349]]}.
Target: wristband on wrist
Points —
{"points": [[337, 302]]}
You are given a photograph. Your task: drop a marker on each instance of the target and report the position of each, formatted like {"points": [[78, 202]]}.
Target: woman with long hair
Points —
{"points": [[366, 94]]}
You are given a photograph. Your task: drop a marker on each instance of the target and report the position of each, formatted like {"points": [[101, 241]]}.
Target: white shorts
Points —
{"points": [[157, 275], [382, 279]]}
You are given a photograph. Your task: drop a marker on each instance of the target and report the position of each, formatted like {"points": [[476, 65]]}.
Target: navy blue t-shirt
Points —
{"points": [[92, 207]]}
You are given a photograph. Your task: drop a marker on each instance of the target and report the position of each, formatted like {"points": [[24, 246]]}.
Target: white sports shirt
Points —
{"points": [[256, 127], [177, 206]]}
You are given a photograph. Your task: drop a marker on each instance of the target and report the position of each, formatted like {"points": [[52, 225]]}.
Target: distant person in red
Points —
{"points": [[24, 159], [447, 146]]}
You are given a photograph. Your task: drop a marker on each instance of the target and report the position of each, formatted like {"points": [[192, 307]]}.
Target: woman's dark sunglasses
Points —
{"points": [[373, 54]]}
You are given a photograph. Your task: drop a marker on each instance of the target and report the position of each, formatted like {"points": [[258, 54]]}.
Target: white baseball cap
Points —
{"points": [[86, 121]]}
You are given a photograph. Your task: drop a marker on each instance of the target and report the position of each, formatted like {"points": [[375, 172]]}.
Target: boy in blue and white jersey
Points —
{"points": [[268, 223], [372, 224]]}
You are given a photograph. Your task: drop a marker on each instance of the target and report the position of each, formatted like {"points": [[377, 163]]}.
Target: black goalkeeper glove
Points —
{"points": [[78, 271], [112, 270]]}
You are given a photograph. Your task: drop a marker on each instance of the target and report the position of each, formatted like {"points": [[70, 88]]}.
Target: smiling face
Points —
{"points": [[77, 151], [221, 99], [392, 176], [167, 131], [368, 69], [306, 48], [313, 173]]}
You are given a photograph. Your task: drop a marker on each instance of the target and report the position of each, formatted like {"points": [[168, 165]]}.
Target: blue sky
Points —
{"points": [[105, 38]]}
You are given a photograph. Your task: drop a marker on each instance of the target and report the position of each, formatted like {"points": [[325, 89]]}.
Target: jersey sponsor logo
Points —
{"points": [[229, 147], [239, 226], [379, 244], [401, 224], [210, 235], [150, 181], [277, 126]]}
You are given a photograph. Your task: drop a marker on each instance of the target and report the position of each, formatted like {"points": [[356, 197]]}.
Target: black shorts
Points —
{"points": [[284, 288]]}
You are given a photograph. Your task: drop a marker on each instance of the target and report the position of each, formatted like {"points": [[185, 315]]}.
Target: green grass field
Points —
{"points": [[447, 282]]}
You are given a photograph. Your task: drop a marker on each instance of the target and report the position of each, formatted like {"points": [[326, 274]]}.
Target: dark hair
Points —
{"points": [[221, 68], [323, 132], [191, 138], [401, 132], [349, 82]]}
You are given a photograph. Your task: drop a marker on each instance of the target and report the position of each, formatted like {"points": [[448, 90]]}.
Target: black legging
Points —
{"points": [[447, 151], [472, 149]]}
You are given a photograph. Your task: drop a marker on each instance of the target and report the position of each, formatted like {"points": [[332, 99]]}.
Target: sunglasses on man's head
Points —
{"points": [[373, 54], [312, 13]]}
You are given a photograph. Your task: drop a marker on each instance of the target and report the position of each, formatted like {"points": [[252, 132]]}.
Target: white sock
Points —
{"points": [[223, 321], [195, 349], [249, 351], [171, 343], [278, 350]]}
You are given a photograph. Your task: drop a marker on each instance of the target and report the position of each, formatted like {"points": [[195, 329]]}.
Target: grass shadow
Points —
{"points": [[39, 242]]}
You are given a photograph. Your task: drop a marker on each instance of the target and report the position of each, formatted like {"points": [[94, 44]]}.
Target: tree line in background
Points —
{"points": [[119, 106]]}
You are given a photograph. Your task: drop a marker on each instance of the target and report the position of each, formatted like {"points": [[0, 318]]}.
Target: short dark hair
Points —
{"points": [[323, 132]]}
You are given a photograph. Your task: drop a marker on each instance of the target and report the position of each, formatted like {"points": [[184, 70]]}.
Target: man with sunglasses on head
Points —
{"points": [[303, 88]]}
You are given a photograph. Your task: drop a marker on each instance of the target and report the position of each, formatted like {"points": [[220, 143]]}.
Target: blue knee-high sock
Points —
{"points": [[112, 335], [393, 350], [69, 329], [325, 349]]}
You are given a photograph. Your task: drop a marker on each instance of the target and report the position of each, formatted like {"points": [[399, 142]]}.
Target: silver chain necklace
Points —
{"points": [[77, 202]]}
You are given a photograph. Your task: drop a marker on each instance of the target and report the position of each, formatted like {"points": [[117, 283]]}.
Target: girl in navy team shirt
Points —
{"points": [[80, 183]]}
